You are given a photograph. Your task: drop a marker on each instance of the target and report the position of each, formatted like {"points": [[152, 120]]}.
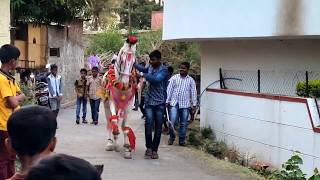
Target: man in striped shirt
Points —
{"points": [[181, 95]]}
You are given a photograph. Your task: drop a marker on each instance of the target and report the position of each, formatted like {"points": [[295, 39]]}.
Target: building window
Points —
{"points": [[21, 32], [55, 52]]}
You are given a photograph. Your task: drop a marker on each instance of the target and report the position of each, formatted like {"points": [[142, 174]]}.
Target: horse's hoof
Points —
{"points": [[127, 154], [109, 146], [117, 148]]}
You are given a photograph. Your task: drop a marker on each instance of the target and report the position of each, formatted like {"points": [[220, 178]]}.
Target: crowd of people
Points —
{"points": [[29, 132]]}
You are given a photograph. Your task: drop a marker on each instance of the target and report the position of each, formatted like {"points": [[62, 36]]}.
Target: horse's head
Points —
{"points": [[125, 61]]}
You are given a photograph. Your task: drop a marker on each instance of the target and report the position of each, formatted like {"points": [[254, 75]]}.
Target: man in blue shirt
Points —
{"points": [[156, 76]]}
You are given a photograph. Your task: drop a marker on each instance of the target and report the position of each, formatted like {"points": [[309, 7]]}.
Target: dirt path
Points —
{"points": [[175, 163]]}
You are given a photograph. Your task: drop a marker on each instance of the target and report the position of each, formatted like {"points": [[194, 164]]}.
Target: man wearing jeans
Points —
{"points": [[181, 93], [81, 90], [155, 98], [94, 83], [55, 87]]}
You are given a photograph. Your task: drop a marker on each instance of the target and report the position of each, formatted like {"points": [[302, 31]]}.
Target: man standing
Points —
{"points": [[55, 89], [94, 83], [10, 98], [156, 76], [81, 90], [181, 91]]}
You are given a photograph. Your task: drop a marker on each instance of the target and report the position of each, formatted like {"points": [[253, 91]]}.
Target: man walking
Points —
{"points": [[10, 99], [55, 87], [181, 91], [156, 77]]}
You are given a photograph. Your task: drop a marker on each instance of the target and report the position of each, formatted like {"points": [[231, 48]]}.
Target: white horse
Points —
{"points": [[120, 85]]}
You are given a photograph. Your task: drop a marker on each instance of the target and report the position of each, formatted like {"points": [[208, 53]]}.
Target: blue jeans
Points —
{"points": [[81, 101], [177, 114], [95, 104], [154, 118]]}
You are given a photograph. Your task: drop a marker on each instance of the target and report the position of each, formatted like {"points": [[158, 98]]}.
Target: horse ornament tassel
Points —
{"points": [[120, 86]]}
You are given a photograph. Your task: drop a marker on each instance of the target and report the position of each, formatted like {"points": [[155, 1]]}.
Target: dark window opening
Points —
{"points": [[21, 32], [54, 52]]}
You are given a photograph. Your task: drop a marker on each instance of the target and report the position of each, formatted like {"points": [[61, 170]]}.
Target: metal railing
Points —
{"points": [[26, 64], [269, 82]]}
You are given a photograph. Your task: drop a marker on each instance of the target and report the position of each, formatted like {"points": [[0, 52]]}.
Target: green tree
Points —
{"points": [[103, 12], [172, 52], [140, 14], [48, 11], [105, 42], [149, 41]]}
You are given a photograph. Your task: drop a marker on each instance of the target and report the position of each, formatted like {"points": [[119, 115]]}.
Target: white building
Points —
{"points": [[5, 22], [275, 36]]}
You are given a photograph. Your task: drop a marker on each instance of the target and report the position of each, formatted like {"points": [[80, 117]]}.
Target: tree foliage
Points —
{"points": [[172, 52], [103, 12], [48, 11], [105, 42], [140, 14]]}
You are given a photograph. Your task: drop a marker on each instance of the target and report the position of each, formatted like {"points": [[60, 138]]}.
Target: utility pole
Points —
{"points": [[129, 16], [12, 26]]}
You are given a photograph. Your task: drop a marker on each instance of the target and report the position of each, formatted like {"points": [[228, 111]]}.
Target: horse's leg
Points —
{"points": [[109, 146], [112, 144], [128, 134]]}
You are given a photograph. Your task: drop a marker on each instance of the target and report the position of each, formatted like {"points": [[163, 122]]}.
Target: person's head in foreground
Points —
{"points": [[31, 131], [184, 68], [9, 55], [63, 167]]}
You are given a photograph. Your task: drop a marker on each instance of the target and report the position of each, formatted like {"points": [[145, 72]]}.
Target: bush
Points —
{"points": [[217, 149], [28, 92], [314, 89], [105, 42], [194, 139], [207, 133], [290, 170]]}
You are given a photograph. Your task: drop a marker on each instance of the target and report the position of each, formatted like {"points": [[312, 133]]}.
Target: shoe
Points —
{"points": [[182, 144], [84, 121], [148, 154], [95, 122], [92, 122], [155, 155], [170, 142], [77, 122]]}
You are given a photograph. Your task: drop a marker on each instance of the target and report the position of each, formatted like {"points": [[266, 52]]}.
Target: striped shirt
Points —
{"points": [[182, 91]]}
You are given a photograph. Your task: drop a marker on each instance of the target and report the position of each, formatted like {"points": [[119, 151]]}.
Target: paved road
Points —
{"points": [[175, 163]]}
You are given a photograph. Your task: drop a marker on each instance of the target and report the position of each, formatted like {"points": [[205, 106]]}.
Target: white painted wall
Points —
{"points": [[254, 125], [246, 55], [4, 22], [208, 19], [269, 130]]}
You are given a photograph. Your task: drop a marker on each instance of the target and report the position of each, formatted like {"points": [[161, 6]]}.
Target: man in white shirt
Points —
{"points": [[55, 87], [181, 95]]}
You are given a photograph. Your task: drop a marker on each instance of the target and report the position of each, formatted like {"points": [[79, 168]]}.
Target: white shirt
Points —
{"points": [[55, 86]]}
